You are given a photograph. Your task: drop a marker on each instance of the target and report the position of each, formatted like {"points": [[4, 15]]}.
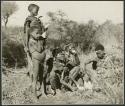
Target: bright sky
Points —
{"points": [[80, 11]]}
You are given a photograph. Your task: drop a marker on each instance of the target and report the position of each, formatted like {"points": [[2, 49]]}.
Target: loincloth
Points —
{"points": [[36, 45]]}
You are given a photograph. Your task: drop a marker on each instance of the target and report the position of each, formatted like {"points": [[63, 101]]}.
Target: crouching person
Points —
{"points": [[55, 74], [73, 64], [102, 72]]}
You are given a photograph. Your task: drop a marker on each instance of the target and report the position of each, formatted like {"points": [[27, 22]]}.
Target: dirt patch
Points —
{"points": [[15, 90]]}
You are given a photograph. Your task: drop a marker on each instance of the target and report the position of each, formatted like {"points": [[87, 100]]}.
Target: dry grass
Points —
{"points": [[15, 86], [15, 90]]}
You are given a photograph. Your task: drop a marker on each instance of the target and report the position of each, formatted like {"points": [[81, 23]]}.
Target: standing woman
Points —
{"points": [[35, 43]]}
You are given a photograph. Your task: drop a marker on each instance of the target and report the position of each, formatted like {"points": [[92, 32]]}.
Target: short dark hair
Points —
{"points": [[31, 6], [99, 47]]}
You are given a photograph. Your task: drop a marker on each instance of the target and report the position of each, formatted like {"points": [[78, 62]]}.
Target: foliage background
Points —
{"points": [[62, 31]]}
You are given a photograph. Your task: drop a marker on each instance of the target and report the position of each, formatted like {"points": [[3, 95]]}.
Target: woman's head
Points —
{"points": [[70, 48], [33, 9], [100, 51]]}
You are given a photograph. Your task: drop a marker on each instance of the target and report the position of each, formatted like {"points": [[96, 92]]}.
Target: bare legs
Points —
{"points": [[36, 65]]}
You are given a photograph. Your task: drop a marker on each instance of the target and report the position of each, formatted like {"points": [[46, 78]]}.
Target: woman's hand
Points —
{"points": [[26, 49]]}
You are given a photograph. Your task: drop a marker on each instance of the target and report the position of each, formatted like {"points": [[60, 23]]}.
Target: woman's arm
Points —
{"points": [[77, 59], [88, 61], [26, 31]]}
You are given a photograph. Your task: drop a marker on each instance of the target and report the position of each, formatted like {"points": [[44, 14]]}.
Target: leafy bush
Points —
{"points": [[12, 51], [62, 31]]}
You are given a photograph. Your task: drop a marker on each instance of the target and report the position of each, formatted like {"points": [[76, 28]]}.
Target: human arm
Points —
{"points": [[77, 59], [86, 62], [44, 28], [26, 31]]}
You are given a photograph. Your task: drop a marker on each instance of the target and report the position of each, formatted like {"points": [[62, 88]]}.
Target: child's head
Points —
{"points": [[100, 51], [33, 9]]}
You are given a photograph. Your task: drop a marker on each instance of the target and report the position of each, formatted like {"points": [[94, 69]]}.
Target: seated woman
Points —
{"points": [[72, 69]]}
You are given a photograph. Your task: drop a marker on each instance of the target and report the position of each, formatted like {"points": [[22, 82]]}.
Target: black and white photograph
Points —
{"points": [[62, 52]]}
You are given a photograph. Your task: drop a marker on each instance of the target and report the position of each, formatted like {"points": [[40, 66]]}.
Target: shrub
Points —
{"points": [[12, 51]]}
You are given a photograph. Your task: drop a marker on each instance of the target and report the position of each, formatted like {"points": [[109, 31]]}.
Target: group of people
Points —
{"points": [[60, 70]]}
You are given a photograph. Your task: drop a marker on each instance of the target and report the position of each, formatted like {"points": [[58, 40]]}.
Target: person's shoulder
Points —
{"points": [[92, 56], [107, 57], [38, 19], [30, 18]]}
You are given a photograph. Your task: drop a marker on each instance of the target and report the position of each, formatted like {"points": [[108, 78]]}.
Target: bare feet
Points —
{"points": [[53, 92], [44, 95]]}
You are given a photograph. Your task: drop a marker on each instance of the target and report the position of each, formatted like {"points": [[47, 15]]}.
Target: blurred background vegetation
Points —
{"points": [[61, 31]]}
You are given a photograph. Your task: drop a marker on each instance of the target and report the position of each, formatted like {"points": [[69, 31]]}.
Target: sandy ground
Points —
{"points": [[15, 90]]}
